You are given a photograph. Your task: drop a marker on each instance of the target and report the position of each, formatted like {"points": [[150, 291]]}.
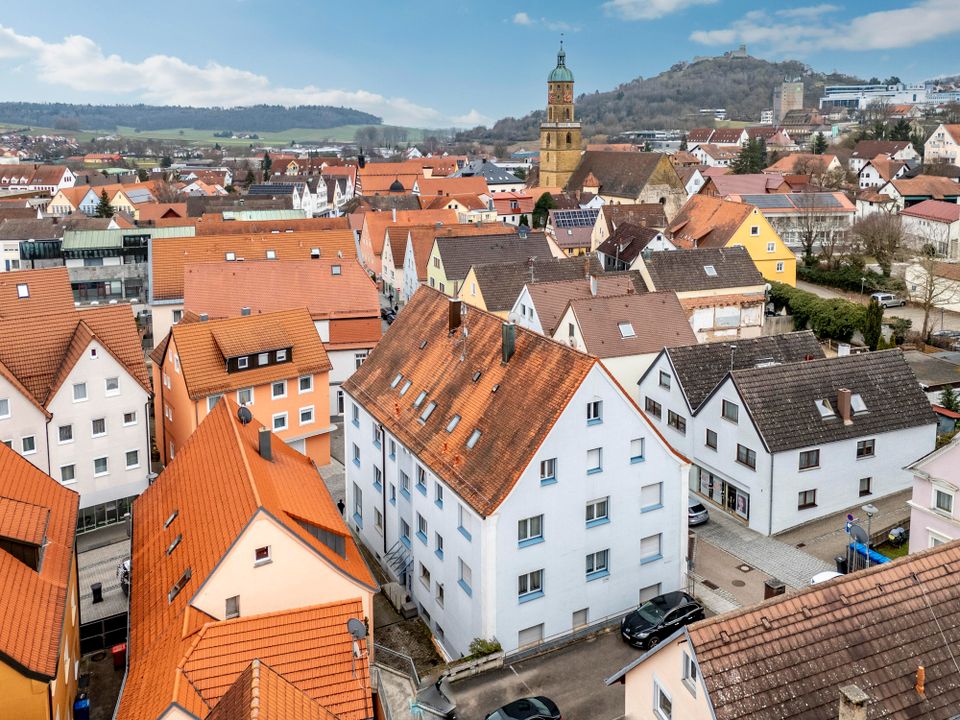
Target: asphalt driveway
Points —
{"points": [[572, 677]]}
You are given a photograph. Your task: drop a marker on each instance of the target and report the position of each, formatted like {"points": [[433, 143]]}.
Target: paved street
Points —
{"points": [[950, 320], [572, 677]]}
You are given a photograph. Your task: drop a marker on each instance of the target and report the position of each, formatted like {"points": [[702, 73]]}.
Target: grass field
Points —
{"points": [[342, 133]]}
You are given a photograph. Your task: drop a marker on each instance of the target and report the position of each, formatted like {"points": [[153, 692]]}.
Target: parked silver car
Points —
{"points": [[696, 513], [888, 300]]}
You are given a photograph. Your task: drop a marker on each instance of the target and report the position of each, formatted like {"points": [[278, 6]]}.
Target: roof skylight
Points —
{"points": [[419, 401], [710, 270], [454, 421], [427, 411], [173, 516], [857, 404], [472, 440], [626, 330], [396, 380], [825, 408], [403, 390]]}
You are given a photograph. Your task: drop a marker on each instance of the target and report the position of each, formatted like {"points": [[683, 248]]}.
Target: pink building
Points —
{"points": [[934, 510]]}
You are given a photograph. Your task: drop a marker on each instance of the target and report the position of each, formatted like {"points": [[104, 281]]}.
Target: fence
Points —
{"points": [[397, 661], [558, 640]]}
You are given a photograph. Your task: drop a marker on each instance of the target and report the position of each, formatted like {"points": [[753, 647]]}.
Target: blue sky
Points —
{"points": [[438, 63]]}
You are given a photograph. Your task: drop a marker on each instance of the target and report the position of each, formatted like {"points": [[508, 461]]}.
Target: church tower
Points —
{"points": [[560, 139]]}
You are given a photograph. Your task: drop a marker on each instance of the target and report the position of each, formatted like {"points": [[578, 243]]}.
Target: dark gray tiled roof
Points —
{"points": [[781, 398], [458, 254], [619, 173], [627, 241], [500, 283], [491, 172], [684, 270], [700, 368], [23, 229]]}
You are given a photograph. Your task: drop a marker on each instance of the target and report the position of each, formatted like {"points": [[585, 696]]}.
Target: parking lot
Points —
{"points": [[572, 677]]}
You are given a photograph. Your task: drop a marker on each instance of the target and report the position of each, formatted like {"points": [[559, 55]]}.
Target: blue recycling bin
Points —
{"points": [[81, 707]]}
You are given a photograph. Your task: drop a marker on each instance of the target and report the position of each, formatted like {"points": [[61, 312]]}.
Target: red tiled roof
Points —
{"points": [[938, 210], [708, 221], [260, 693]]}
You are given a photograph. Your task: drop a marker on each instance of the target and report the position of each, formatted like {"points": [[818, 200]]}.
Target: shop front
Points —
{"points": [[721, 492]]}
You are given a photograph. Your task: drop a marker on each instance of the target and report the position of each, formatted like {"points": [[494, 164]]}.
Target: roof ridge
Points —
{"points": [[246, 461]]}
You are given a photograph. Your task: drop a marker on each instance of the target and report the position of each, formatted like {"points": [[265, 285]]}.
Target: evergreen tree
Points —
{"points": [[901, 130], [165, 161], [267, 162], [918, 138], [523, 221], [879, 131], [541, 209], [104, 208], [751, 158], [873, 325], [819, 146], [949, 399], [683, 141]]}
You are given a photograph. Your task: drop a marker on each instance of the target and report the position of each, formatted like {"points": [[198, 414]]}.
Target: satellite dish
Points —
{"points": [[244, 415], [356, 628], [859, 534]]}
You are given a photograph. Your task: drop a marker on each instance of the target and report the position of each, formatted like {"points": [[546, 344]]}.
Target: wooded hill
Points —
{"points": [[672, 99], [255, 118]]}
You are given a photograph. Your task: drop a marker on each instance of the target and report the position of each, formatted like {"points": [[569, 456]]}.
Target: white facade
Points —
{"points": [[767, 496], [870, 177], [941, 146], [345, 363], [945, 236], [411, 279], [483, 558], [524, 312]]}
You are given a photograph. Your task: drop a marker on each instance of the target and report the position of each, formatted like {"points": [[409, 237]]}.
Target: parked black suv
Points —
{"points": [[533, 708], [659, 618]]}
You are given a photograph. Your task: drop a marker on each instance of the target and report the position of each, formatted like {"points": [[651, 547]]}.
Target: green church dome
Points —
{"points": [[561, 73]]}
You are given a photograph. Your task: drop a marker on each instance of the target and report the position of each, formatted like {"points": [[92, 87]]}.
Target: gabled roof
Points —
{"points": [[699, 368], [32, 229], [210, 492], [781, 399], [885, 167], [458, 254], [726, 136], [512, 404], [474, 185], [438, 202], [791, 203], [688, 270], [265, 286], [953, 131], [500, 283], [384, 184], [788, 165], [43, 335], [699, 135], [721, 152], [375, 224], [169, 256], [706, 221], [34, 510], [789, 656], [492, 173], [756, 183], [423, 236], [620, 173], [551, 298], [627, 242], [869, 149], [643, 214], [204, 348], [600, 320], [261, 693], [933, 186], [502, 202], [937, 210]]}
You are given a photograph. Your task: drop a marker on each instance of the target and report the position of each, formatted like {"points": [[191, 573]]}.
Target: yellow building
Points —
{"points": [[709, 222], [39, 615], [560, 138]]}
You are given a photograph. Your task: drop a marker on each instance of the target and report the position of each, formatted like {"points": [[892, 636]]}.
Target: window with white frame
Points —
{"points": [[263, 358], [771, 247], [425, 576], [112, 386], [637, 449], [306, 415], [404, 484], [133, 459], [281, 355], [422, 527], [530, 529], [212, 401], [731, 411], [530, 584], [598, 562], [305, 384], [650, 548], [4, 407], [99, 427], [595, 412], [465, 577], [943, 500], [359, 357], [29, 444], [598, 510], [594, 460], [243, 363], [245, 396], [664, 380], [780, 266], [68, 474], [651, 496], [280, 421], [438, 494], [279, 389], [79, 392], [548, 470], [662, 703], [65, 434], [689, 673], [100, 466]]}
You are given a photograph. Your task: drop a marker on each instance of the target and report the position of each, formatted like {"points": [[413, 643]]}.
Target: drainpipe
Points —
{"points": [[770, 512], [383, 477]]}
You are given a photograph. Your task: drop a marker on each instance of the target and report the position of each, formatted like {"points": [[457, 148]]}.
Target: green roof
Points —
{"points": [[249, 215], [561, 73], [92, 239]]}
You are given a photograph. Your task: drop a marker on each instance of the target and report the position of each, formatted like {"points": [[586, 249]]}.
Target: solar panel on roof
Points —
{"points": [[575, 218], [768, 201], [811, 200]]}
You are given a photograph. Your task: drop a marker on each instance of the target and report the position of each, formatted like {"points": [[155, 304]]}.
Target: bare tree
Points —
{"points": [[881, 236], [930, 290]]}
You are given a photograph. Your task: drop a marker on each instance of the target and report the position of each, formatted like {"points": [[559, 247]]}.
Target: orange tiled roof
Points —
{"points": [[217, 483], [787, 165], [170, 256], [37, 510], [533, 388], [706, 221], [423, 236], [149, 212], [260, 693], [474, 185], [42, 336], [221, 289], [204, 347], [380, 184], [376, 223], [469, 201]]}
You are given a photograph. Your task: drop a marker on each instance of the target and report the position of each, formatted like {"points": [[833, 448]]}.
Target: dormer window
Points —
{"points": [[263, 359], [281, 355], [857, 404], [825, 409], [243, 363], [315, 253]]}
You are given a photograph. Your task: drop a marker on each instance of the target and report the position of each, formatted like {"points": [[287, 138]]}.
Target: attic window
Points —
{"points": [[420, 398], [495, 388], [626, 330], [396, 380], [230, 256], [335, 269], [472, 440], [423, 344], [23, 291], [857, 404], [403, 390], [454, 421], [271, 254], [825, 409], [710, 270], [179, 584], [173, 545], [427, 411], [476, 375], [315, 253], [173, 516]]}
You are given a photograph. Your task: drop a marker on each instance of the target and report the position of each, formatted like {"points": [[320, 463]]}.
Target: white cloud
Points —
{"points": [[80, 64], [648, 9], [521, 18], [903, 27]]}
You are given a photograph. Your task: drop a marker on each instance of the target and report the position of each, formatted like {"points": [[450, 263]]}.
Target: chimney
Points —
{"points": [[921, 681], [843, 406], [244, 311], [394, 215], [204, 317], [593, 285], [265, 451], [853, 703], [453, 314], [508, 335]]}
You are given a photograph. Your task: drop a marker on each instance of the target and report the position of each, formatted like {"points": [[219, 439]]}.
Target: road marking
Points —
{"points": [[514, 671]]}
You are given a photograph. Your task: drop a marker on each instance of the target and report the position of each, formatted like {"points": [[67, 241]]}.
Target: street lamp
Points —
{"points": [[862, 281], [870, 510]]}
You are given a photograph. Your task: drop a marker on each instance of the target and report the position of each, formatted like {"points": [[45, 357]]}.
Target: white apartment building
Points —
{"points": [[506, 480], [787, 436]]}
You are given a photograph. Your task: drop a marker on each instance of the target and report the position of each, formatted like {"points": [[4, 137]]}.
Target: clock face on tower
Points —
{"points": [[568, 95], [551, 97]]}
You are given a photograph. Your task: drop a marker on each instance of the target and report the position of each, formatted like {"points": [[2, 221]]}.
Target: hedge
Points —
{"points": [[836, 318], [848, 277]]}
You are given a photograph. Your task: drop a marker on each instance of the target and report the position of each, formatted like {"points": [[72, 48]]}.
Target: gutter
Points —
{"points": [[383, 470], [770, 510]]}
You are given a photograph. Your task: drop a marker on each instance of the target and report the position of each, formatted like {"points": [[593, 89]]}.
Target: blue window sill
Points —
{"points": [[466, 534], [423, 538], [392, 456], [378, 486], [438, 503], [406, 541], [597, 575], [530, 596], [356, 423], [548, 481], [594, 471], [356, 461], [422, 489], [595, 421], [530, 541], [438, 553], [598, 521], [466, 588], [405, 493], [393, 501], [358, 520], [651, 508], [635, 460], [652, 558], [377, 445]]}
